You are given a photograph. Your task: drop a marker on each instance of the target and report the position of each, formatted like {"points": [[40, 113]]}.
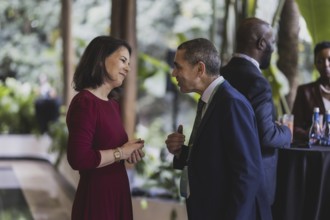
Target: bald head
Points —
{"points": [[250, 31], [255, 38]]}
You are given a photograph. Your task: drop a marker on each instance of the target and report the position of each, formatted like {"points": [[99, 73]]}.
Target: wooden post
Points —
{"points": [[123, 26], [67, 57]]}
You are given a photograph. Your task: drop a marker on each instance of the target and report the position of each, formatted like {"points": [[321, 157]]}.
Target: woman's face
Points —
{"points": [[322, 63], [117, 67]]}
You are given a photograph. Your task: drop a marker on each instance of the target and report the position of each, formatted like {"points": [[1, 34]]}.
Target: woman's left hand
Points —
{"points": [[136, 156]]}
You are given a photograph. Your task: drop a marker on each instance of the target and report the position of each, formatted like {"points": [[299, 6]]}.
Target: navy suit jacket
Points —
{"points": [[248, 80], [225, 169]]}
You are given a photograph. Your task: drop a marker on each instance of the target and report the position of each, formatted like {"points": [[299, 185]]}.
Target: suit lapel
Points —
{"points": [[209, 110]]}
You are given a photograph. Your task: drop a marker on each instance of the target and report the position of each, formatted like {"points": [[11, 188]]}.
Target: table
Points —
{"points": [[303, 184]]}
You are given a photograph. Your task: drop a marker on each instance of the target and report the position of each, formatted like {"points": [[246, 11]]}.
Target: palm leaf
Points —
{"points": [[316, 15]]}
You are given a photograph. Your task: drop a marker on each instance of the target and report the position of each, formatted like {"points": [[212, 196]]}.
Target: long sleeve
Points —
{"points": [[179, 163], [244, 155], [271, 134], [248, 80], [81, 122]]}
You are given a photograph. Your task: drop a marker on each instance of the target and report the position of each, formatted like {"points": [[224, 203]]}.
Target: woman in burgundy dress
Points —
{"points": [[98, 144]]}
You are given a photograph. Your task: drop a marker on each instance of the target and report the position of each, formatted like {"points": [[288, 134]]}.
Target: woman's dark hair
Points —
{"points": [[91, 70], [321, 46]]}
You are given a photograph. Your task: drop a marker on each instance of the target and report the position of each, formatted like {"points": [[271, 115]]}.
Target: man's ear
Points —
{"points": [[261, 43], [201, 67]]}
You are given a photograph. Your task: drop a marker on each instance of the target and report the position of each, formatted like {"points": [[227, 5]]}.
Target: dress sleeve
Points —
{"points": [[81, 123]]}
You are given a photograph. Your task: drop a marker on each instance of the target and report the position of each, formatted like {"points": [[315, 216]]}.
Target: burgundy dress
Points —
{"points": [[102, 193]]}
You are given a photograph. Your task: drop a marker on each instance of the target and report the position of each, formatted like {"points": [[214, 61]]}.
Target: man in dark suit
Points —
{"points": [[223, 164], [254, 46]]}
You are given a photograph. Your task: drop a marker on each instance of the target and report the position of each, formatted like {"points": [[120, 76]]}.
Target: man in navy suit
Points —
{"points": [[223, 164], [254, 46]]}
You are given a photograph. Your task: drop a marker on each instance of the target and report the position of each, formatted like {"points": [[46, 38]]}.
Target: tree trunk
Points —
{"points": [[123, 25], [288, 46], [67, 57]]}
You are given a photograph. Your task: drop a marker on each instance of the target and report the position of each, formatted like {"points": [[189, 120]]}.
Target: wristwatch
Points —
{"points": [[117, 154]]}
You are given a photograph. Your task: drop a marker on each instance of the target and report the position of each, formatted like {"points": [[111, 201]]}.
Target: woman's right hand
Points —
{"points": [[132, 150]]}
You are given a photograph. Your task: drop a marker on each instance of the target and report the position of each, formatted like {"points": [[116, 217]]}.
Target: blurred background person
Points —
{"points": [[314, 94], [254, 46], [47, 104]]}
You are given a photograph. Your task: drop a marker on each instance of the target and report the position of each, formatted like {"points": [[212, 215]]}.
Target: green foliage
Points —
{"points": [[59, 133], [156, 168], [28, 39], [280, 87], [251, 8], [316, 15], [17, 113], [149, 66], [165, 176]]}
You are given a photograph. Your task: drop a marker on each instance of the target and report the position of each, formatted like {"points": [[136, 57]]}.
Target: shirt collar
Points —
{"points": [[244, 56], [211, 88]]}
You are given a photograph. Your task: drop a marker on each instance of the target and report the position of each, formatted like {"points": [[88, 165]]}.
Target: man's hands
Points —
{"points": [[175, 141]]}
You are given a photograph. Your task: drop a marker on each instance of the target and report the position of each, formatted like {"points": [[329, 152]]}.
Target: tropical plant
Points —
{"points": [[164, 177], [28, 39], [315, 13], [17, 111]]}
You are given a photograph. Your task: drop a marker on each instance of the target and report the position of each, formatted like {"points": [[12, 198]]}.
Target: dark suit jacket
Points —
{"points": [[308, 96], [225, 167], [247, 79]]}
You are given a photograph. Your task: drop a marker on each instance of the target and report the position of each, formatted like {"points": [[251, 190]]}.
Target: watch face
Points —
{"points": [[117, 154]]}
